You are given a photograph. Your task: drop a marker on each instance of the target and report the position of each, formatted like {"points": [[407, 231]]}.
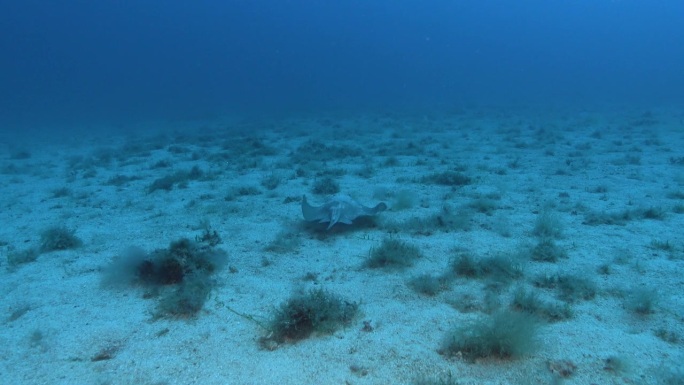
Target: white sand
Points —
{"points": [[71, 317]]}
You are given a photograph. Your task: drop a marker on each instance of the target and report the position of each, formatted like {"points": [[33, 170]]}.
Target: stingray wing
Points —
{"points": [[350, 210], [340, 209], [313, 213]]}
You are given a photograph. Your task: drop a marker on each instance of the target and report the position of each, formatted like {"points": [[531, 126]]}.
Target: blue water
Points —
{"points": [[115, 63], [484, 127]]}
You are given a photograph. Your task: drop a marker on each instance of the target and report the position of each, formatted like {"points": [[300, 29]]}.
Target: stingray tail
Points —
{"points": [[380, 207]]}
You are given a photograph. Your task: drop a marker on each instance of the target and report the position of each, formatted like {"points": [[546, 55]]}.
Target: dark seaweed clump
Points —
{"points": [[58, 238], [315, 311], [392, 254], [504, 335], [187, 266], [179, 276], [179, 179], [181, 259]]}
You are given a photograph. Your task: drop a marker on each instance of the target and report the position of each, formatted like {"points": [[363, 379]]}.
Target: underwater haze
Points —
{"points": [[342, 192], [75, 63]]}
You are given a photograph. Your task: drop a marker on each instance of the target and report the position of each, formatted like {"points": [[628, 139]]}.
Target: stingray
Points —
{"points": [[339, 208]]}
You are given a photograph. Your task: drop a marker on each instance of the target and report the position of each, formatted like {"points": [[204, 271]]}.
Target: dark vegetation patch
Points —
{"points": [[186, 299], [604, 269], [58, 238], [334, 172], [627, 159], [652, 212], [209, 236], [504, 335], [18, 312], [569, 288], [546, 250], [366, 171], [529, 302], [677, 160], [678, 209], [621, 218], [392, 254], [617, 218], [325, 186], [107, 352], [484, 205], [241, 152], [178, 179], [250, 146], [676, 195], [162, 163], [600, 189], [137, 148], [404, 200], [547, 225], [501, 268], [447, 219], [132, 152], [665, 245], [183, 258], [285, 241], [398, 147], [179, 277], [120, 180], [20, 257], [428, 284], [642, 301], [447, 178], [668, 335], [303, 314], [13, 169], [465, 265], [177, 149], [242, 191], [561, 369], [20, 154], [54, 238], [271, 181], [102, 157], [316, 151], [61, 192]]}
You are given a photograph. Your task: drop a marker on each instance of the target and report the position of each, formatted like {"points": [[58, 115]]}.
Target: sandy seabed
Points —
{"points": [[606, 189]]}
